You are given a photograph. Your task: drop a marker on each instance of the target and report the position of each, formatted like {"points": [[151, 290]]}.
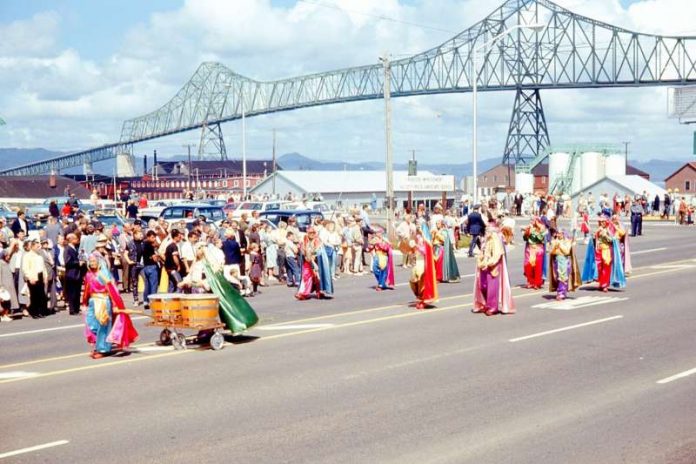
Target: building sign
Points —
{"points": [[424, 184]]}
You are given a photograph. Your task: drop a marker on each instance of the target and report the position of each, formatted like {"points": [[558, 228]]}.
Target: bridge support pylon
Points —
{"points": [[528, 135], [212, 135], [87, 168]]}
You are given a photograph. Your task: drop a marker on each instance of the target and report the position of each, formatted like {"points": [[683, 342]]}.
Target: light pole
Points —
{"points": [[188, 147], [240, 96], [388, 133], [475, 76]]}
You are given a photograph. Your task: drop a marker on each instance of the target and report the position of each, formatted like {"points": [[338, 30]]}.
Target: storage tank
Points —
{"points": [[524, 182], [615, 165], [576, 185], [592, 169], [558, 166]]}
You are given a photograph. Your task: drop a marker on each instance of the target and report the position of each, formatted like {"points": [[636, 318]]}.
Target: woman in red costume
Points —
{"points": [[423, 281]]}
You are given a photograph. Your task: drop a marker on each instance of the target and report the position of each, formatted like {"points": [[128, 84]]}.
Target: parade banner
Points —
{"points": [[424, 184]]}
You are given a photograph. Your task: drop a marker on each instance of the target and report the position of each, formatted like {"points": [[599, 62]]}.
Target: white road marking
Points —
{"points": [[9, 454], [563, 329], [52, 329], [674, 266], [681, 375], [16, 374], [147, 349], [640, 252], [294, 326], [582, 302]]}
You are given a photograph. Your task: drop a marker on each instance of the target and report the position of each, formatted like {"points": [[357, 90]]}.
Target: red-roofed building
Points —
{"points": [[683, 179]]}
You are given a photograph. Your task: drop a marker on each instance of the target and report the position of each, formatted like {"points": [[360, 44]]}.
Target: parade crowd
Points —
{"points": [[80, 264]]}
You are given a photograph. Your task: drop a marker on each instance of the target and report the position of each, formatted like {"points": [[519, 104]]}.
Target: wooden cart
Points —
{"points": [[176, 312]]}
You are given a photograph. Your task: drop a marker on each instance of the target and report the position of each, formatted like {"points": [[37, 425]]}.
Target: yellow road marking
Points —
{"points": [[97, 366], [319, 329]]}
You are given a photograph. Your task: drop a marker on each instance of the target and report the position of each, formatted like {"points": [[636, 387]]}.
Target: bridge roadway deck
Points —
{"points": [[366, 379]]}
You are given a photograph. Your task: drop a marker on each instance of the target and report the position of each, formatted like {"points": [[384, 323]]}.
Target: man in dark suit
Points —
{"points": [[73, 274], [476, 228], [519, 199], [241, 239], [20, 224]]}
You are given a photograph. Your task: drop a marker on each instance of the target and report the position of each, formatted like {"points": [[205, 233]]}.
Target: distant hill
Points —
{"points": [[9, 157]]}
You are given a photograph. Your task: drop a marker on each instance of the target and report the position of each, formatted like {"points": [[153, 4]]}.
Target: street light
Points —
{"points": [[388, 165], [476, 73], [240, 95]]}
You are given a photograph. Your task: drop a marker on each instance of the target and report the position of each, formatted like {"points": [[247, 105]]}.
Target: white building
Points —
{"points": [[622, 185], [349, 189]]}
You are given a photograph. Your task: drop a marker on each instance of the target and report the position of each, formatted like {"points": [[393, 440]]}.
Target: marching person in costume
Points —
{"points": [[382, 263], [564, 271], [101, 298], [446, 268], [624, 246], [603, 259], [492, 291], [316, 272], [423, 282], [534, 253]]}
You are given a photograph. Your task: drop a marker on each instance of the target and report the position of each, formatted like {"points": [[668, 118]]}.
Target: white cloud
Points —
{"points": [[57, 99]]}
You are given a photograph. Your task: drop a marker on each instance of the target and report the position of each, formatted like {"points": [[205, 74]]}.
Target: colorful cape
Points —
{"points": [[618, 278], [430, 294], [450, 270], [324, 274], [235, 311], [589, 268]]}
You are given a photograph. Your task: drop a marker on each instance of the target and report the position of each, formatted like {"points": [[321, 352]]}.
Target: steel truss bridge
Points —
{"points": [[570, 52]]}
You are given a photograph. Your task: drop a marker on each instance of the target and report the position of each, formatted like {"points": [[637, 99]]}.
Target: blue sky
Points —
{"points": [[73, 70]]}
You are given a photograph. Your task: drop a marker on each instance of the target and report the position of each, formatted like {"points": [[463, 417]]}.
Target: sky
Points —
{"points": [[71, 71]]}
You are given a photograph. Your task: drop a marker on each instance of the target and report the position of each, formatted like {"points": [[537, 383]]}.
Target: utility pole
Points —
{"points": [[188, 147], [389, 168], [244, 166], [273, 182]]}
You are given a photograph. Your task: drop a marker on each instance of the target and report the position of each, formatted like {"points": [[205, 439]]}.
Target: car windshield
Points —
{"points": [[251, 206]]}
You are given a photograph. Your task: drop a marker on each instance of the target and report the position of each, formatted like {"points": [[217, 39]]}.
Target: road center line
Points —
{"points": [[640, 252], [563, 329], [681, 375], [53, 444]]}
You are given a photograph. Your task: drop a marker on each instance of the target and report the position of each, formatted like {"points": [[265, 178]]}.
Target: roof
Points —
{"points": [[340, 181], [37, 187], [541, 170], [690, 164], [208, 167], [633, 185], [634, 171]]}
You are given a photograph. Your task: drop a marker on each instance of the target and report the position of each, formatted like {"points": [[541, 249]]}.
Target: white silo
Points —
{"points": [[558, 166], [524, 182], [576, 174], [592, 168], [615, 165]]}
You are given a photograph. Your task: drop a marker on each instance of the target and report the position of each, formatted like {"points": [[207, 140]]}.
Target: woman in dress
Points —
{"points": [[423, 282], [565, 275], [534, 253], [492, 292], [382, 263], [102, 299]]}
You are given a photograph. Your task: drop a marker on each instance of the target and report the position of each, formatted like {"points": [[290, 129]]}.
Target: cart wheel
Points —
{"points": [[165, 337], [217, 341], [182, 341]]}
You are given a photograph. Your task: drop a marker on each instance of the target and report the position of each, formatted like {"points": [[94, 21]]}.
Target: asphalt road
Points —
{"points": [[607, 378]]}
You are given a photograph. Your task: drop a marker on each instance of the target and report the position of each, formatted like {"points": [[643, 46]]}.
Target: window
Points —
{"points": [[485, 178], [236, 183], [687, 185], [495, 178], [543, 180]]}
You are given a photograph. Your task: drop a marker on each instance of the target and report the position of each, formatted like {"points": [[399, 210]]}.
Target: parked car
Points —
{"points": [[229, 207], [307, 205], [260, 206], [304, 217], [155, 207], [109, 220], [192, 211], [7, 213], [40, 212]]}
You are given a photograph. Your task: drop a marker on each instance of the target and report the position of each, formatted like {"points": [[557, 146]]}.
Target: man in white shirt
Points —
{"points": [[35, 273]]}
